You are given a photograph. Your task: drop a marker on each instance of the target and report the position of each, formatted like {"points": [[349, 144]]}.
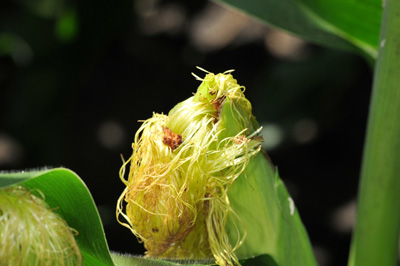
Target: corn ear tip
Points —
{"points": [[36, 243]]}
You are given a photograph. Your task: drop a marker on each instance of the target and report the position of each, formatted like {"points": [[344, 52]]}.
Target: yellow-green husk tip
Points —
{"points": [[32, 234], [182, 167]]}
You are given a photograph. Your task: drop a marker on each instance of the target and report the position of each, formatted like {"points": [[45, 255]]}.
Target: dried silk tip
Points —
{"points": [[31, 234], [181, 170]]}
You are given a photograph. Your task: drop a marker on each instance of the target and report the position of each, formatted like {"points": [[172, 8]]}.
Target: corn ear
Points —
{"points": [[198, 183], [32, 234]]}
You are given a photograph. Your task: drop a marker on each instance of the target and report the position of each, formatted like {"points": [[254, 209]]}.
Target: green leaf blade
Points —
{"points": [[375, 239], [288, 16], [356, 21]]}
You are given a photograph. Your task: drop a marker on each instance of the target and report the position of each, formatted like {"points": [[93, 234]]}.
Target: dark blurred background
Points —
{"points": [[76, 76]]}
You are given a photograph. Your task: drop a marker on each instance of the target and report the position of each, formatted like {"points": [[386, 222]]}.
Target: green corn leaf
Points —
{"points": [[376, 235], [356, 21], [289, 16], [347, 25]]}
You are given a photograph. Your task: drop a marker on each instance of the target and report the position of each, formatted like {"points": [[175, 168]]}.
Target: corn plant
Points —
{"points": [[199, 188]]}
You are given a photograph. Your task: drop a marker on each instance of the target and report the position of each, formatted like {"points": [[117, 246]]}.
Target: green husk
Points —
{"points": [[259, 197]]}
